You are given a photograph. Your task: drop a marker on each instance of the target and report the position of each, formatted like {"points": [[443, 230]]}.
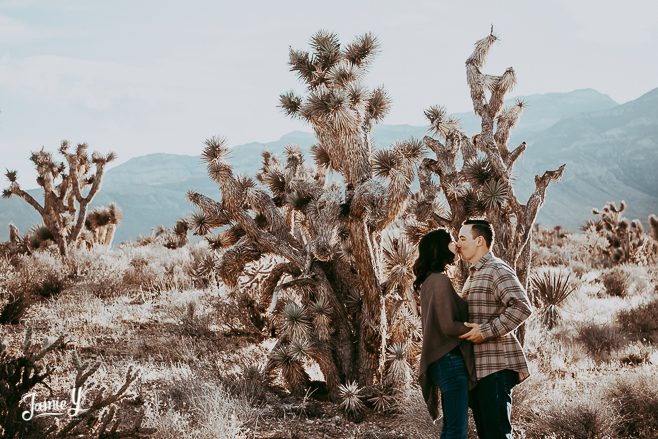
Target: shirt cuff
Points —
{"points": [[487, 331]]}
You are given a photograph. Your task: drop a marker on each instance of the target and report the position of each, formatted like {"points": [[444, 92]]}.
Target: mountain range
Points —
{"points": [[610, 149]]}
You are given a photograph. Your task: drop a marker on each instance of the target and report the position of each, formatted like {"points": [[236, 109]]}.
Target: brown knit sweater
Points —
{"points": [[443, 314]]}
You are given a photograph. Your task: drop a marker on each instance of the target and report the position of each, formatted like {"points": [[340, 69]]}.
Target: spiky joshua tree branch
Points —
{"points": [[480, 184]]}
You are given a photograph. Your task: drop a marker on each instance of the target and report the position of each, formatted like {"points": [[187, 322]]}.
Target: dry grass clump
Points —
{"points": [[99, 270], [35, 277], [583, 417], [635, 398], [192, 408], [640, 323], [600, 340], [616, 282], [623, 406], [250, 383]]}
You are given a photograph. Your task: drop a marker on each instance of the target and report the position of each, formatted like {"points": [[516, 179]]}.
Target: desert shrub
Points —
{"points": [[42, 274], [635, 398], [579, 268], [545, 256], [37, 276], [23, 373], [15, 308], [624, 241], [99, 269], [548, 292], [640, 323], [215, 412], [600, 340], [155, 269], [585, 417], [193, 323], [555, 237], [635, 354], [616, 282], [250, 383]]}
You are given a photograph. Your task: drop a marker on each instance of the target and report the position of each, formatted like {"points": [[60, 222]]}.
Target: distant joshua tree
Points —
{"points": [[100, 226], [626, 239], [64, 208], [342, 293]]}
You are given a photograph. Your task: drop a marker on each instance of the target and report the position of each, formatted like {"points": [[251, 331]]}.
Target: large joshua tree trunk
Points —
{"points": [[64, 208]]}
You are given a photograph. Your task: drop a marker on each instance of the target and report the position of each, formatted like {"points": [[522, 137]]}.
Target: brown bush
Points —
{"points": [[600, 340], [640, 323], [615, 282], [582, 418], [636, 400]]}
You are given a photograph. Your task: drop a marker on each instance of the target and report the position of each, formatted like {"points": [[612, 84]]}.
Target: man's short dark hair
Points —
{"points": [[480, 227]]}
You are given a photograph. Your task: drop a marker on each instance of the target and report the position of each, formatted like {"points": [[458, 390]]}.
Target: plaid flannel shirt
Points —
{"points": [[498, 303]]}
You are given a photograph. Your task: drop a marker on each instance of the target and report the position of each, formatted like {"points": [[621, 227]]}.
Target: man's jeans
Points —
{"points": [[491, 402], [449, 374]]}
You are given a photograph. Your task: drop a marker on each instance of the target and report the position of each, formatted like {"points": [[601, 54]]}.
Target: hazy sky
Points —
{"points": [[145, 76]]}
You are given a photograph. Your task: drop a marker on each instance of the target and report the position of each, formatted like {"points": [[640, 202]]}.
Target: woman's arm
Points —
{"points": [[445, 307]]}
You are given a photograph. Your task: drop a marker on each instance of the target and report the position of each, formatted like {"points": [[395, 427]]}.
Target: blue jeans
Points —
{"points": [[491, 402], [449, 374]]}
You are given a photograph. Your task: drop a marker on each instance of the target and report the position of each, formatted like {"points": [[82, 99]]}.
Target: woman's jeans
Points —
{"points": [[449, 374]]}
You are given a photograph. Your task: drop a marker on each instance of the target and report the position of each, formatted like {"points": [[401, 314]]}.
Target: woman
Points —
{"points": [[446, 362]]}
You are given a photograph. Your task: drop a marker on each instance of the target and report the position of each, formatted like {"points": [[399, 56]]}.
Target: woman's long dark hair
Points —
{"points": [[433, 255]]}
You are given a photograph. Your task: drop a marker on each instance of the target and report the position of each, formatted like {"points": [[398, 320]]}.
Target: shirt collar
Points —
{"points": [[483, 260]]}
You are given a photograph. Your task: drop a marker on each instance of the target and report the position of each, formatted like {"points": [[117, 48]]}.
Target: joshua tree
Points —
{"points": [[653, 224], [173, 238], [101, 224], [344, 289], [626, 239], [328, 234], [479, 183], [64, 208]]}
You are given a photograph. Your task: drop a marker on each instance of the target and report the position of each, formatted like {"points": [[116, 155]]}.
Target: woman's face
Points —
{"points": [[453, 248]]}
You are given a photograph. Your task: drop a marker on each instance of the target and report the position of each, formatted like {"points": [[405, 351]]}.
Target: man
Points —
{"points": [[497, 305]]}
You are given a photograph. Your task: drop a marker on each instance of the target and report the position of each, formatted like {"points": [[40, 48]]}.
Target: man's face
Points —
{"points": [[466, 244]]}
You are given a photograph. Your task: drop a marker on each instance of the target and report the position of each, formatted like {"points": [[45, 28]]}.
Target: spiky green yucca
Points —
{"points": [[549, 291]]}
